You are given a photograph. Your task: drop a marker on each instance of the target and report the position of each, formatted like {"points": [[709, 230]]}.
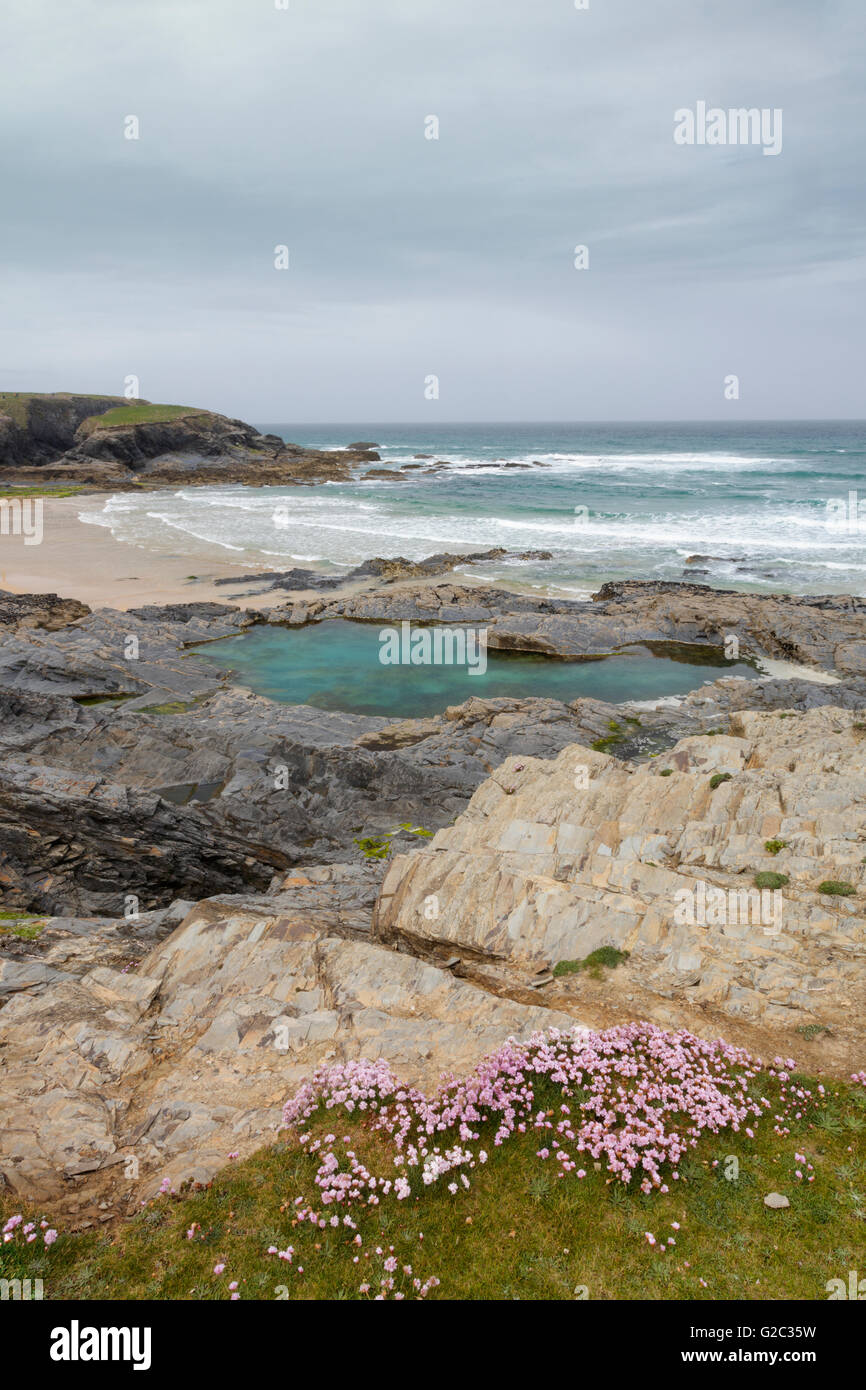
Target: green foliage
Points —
{"points": [[379, 846], [46, 490], [836, 888], [21, 924], [718, 778], [16, 404], [607, 956], [666, 772], [616, 735], [767, 879], [810, 1031], [170, 707], [373, 847], [411, 829], [143, 414], [774, 846]]}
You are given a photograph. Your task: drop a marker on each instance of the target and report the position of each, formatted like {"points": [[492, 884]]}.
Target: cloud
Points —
{"points": [[305, 127]]}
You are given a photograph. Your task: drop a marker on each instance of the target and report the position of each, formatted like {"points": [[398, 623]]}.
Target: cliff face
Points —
{"points": [[108, 441], [36, 429]]}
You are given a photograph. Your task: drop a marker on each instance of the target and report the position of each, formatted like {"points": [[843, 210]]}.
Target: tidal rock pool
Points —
{"points": [[337, 665]]}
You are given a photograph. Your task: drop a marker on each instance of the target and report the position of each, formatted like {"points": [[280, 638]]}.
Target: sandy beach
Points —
{"points": [[78, 560]]}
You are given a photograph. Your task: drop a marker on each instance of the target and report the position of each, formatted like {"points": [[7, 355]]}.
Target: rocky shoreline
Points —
{"points": [[111, 442], [189, 926]]}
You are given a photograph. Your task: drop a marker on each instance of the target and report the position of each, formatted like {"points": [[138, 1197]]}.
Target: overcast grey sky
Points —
{"points": [[409, 257]]}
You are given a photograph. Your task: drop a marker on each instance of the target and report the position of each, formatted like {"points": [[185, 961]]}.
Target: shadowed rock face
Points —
{"points": [[554, 860], [72, 843], [286, 785], [44, 426]]}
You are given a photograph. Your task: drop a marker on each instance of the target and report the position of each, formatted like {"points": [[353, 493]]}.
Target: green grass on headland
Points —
{"points": [[16, 404], [143, 414], [521, 1231]]}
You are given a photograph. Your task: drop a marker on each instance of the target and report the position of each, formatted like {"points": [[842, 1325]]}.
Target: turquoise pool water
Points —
{"points": [[335, 665]]}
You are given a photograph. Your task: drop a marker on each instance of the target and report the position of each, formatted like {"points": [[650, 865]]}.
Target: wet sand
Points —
{"points": [[78, 560]]}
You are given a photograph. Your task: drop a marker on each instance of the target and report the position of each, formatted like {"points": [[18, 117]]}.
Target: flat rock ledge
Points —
{"points": [[114, 1079]]}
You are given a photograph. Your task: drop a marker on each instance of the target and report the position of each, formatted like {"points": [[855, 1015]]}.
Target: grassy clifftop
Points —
{"points": [[59, 427], [18, 404], [25, 407], [138, 413]]}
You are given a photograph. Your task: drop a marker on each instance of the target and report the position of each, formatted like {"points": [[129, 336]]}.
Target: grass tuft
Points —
{"points": [[775, 846], [767, 879], [606, 956]]}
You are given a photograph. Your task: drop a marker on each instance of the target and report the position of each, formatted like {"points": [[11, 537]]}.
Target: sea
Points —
{"points": [[760, 507]]}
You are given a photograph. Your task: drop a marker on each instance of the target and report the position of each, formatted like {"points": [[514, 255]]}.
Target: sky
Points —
{"points": [[412, 258]]}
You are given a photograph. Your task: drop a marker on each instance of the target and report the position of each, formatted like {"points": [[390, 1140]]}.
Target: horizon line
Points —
{"points": [[636, 420]]}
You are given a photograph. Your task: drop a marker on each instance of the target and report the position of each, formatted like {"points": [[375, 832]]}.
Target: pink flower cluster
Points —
{"points": [[797, 1101], [17, 1227], [635, 1097]]}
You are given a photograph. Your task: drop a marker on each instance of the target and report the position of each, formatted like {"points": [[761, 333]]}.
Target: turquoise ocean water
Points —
{"points": [[760, 504]]}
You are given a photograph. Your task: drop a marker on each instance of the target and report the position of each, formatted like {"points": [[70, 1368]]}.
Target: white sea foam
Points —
{"points": [[760, 533], [188, 530]]}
